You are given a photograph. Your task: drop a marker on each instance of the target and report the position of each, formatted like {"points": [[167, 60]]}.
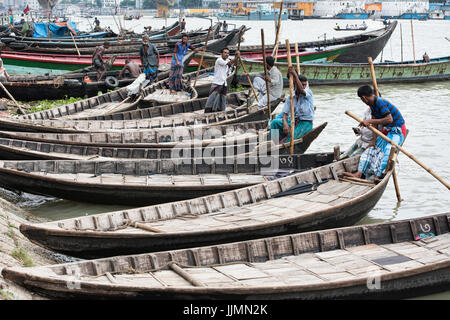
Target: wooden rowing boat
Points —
{"points": [[170, 137], [74, 62], [144, 181], [235, 99], [353, 49], [246, 139], [256, 211], [437, 69], [233, 114], [398, 259]]}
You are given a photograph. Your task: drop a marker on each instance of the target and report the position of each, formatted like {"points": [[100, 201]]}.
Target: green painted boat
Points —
{"points": [[351, 73]]}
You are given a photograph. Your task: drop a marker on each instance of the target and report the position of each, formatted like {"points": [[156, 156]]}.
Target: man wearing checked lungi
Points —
{"points": [[374, 159], [303, 111]]}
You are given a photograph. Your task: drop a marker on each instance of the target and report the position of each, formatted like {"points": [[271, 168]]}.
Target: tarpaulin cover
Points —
{"points": [[59, 29]]}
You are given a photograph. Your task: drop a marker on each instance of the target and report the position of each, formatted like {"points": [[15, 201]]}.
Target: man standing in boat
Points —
{"points": [[149, 59], [97, 60], [217, 100], [97, 24], [374, 159], [275, 79], [177, 66], [303, 111], [182, 25]]}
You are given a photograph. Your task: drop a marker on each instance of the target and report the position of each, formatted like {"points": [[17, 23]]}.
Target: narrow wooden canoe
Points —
{"points": [[254, 140], [177, 137], [233, 114], [374, 261], [242, 214], [352, 49], [437, 69], [144, 182], [234, 98], [73, 62]]}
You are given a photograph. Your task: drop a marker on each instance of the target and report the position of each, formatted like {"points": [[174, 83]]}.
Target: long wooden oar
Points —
{"points": [[248, 78], [377, 92], [376, 131], [201, 59], [291, 95], [412, 38], [74, 42], [12, 98], [277, 37], [266, 75], [297, 58]]}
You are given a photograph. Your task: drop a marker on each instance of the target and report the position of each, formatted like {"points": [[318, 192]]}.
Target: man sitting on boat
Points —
{"points": [[425, 57], [275, 79], [4, 76], [365, 137], [149, 59], [217, 100], [132, 68], [374, 159], [303, 111], [97, 60]]}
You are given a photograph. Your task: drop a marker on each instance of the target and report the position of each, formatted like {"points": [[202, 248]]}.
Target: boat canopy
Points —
{"points": [[58, 29]]}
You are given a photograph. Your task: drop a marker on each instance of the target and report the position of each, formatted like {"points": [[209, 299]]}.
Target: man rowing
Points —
{"points": [[374, 159]]}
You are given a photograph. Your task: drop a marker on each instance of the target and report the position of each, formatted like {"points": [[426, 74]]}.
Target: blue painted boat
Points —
{"points": [[362, 15]]}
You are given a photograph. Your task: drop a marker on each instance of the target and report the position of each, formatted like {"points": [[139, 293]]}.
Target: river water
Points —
{"points": [[424, 107]]}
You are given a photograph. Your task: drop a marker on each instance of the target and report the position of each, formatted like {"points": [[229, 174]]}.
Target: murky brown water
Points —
{"points": [[425, 107]]}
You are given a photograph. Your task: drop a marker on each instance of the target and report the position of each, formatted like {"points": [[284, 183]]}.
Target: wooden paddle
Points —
{"points": [[377, 92], [412, 38], [278, 27], [74, 42], [291, 95], [376, 131], [297, 58], [12, 98], [266, 75], [201, 58]]}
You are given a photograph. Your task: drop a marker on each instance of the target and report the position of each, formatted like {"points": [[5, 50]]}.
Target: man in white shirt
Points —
{"points": [[275, 79], [217, 94]]}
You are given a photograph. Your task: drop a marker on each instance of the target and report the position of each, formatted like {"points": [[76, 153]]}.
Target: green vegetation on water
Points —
{"points": [[41, 105]]}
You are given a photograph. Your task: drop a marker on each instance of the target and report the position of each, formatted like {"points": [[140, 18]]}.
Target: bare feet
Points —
{"points": [[354, 175]]}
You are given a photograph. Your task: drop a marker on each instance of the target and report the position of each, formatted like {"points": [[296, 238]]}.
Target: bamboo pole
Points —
{"points": [[74, 42], [291, 95], [248, 78], [401, 42], [377, 92], [372, 73], [297, 58], [266, 75], [277, 37], [12, 98], [412, 37], [201, 59], [376, 131]]}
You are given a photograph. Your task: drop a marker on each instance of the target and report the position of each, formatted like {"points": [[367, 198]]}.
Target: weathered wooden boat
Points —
{"points": [[164, 46], [398, 259], [262, 210], [123, 47], [63, 86], [205, 79], [171, 30], [73, 62], [146, 181], [437, 69], [352, 49], [70, 110], [163, 95], [245, 139], [245, 111]]}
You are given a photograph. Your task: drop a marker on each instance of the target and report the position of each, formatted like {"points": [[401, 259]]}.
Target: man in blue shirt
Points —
{"points": [[303, 111], [373, 161]]}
